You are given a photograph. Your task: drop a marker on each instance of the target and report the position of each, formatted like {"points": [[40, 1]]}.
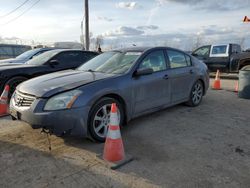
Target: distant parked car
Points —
{"points": [[223, 57], [50, 61], [26, 56], [12, 50], [138, 80]]}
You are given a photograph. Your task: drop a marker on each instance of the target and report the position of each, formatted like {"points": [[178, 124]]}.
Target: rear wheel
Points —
{"points": [[14, 82], [196, 94], [99, 118]]}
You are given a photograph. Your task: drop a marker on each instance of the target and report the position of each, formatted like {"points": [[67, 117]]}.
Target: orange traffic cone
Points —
{"points": [[217, 81], [236, 89], [113, 149], [4, 108]]}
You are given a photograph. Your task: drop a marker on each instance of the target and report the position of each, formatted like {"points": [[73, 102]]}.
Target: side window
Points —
{"points": [[155, 60], [219, 49], [178, 59], [68, 58], [188, 59], [85, 56], [203, 51]]}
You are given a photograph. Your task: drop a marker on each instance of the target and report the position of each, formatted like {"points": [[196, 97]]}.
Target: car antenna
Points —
{"points": [[48, 134]]}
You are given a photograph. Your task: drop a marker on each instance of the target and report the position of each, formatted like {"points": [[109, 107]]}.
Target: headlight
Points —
{"points": [[62, 101]]}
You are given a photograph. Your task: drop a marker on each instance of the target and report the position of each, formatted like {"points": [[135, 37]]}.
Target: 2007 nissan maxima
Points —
{"points": [[138, 80]]}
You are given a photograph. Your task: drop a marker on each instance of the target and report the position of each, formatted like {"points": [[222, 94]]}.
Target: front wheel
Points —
{"points": [[196, 94], [99, 118]]}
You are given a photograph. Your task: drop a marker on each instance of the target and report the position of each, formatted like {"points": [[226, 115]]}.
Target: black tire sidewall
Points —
{"points": [[94, 110]]}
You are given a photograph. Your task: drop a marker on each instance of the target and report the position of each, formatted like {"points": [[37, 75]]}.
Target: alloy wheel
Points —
{"points": [[101, 120], [197, 93]]}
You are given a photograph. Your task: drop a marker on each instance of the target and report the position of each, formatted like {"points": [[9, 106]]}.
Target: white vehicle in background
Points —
{"points": [[68, 45]]}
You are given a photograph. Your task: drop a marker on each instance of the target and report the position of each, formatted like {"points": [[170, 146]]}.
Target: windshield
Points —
{"points": [[43, 58], [111, 62], [28, 54]]}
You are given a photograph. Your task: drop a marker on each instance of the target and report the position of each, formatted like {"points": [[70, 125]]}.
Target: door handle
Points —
{"points": [[165, 77], [191, 71]]}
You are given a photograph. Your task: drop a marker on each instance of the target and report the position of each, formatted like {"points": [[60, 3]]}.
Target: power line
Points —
{"points": [[7, 14], [14, 19]]}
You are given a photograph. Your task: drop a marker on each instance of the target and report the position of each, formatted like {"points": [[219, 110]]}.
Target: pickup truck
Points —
{"points": [[224, 57]]}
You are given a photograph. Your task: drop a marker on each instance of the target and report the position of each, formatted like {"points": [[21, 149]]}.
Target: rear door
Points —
{"points": [[153, 90], [183, 76]]}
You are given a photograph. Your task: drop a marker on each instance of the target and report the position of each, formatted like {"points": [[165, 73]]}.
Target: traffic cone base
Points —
{"points": [[4, 108], [114, 151], [216, 85]]}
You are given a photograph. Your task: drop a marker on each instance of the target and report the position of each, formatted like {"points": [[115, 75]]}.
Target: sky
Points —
{"points": [[184, 24]]}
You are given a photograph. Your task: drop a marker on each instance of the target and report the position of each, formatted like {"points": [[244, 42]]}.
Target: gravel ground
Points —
{"points": [[207, 146]]}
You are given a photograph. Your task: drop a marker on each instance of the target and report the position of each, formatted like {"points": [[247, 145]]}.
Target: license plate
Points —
{"points": [[14, 113]]}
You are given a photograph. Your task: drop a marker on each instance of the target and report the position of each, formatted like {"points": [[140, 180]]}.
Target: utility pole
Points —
{"points": [[86, 24]]}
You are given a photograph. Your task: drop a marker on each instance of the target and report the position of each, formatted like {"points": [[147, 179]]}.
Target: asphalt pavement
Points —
{"points": [[207, 146]]}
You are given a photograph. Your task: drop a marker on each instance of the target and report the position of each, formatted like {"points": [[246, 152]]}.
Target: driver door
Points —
{"points": [[153, 90]]}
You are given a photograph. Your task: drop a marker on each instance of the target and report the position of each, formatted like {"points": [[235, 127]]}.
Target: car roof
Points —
{"points": [[143, 49], [69, 50]]}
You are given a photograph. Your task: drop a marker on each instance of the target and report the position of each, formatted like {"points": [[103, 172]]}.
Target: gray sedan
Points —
{"points": [[138, 80]]}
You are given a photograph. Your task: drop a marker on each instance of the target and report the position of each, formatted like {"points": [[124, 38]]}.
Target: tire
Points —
{"points": [[14, 82], [196, 94], [98, 120]]}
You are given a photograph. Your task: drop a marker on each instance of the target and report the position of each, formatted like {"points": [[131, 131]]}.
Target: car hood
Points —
{"points": [[11, 61], [51, 84]]}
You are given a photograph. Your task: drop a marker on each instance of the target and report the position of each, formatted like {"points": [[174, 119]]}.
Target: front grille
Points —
{"points": [[22, 100]]}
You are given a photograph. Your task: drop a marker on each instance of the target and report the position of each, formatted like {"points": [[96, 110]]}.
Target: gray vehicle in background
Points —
{"points": [[138, 80], [26, 56]]}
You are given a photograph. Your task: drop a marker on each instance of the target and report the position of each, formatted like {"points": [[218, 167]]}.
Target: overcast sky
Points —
{"points": [[178, 23]]}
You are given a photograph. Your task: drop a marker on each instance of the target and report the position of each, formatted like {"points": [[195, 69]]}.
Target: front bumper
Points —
{"points": [[70, 121]]}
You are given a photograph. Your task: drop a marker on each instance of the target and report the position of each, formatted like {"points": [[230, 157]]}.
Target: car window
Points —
{"points": [[219, 49], [178, 59], [202, 51], [85, 56], [43, 58], [155, 60], [68, 58], [188, 59], [114, 62]]}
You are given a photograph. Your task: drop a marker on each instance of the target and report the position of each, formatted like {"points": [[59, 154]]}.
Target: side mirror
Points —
{"points": [[53, 62], [193, 54], [143, 71]]}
